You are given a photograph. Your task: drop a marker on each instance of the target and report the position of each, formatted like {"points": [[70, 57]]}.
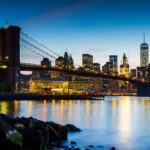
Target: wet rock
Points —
{"points": [[72, 128], [53, 135], [19, 126], [73, 142], [90, 146], [9, 119], [113, 148], [77, 148], [9, 137], [32, 138], [61, 130]]}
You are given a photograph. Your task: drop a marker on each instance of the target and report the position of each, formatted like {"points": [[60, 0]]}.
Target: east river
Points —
{"points": [[122, 122]]}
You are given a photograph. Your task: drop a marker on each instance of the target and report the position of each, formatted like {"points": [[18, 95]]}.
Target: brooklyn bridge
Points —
{"points": [[11, 65]]}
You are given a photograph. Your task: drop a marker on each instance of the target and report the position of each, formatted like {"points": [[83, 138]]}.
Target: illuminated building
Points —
{"points": [[114, 59], [87, 61], [96, 67], [124, 71], [109, 84], [24, 83], [59, 62], [53, 86], [144, 54], [124, 67], [64, 62], [109, 67], [133, 73]]}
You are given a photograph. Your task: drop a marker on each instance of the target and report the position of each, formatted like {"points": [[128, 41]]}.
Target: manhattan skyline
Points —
{"points": [[99, 27]]}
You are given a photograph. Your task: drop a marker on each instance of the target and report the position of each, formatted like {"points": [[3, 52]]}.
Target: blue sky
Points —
{"points": [[97, 27]]}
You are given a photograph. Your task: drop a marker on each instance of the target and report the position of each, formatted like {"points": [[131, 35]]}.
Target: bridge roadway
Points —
{"points": [[39, 68]]}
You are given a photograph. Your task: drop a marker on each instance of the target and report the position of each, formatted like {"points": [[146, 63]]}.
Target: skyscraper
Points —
{"points": [[124, 67], [87, 61], [144, 53], [114, 59]]}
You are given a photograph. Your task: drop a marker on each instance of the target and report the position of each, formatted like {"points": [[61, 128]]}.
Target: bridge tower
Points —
{"points": [[10, 56]]}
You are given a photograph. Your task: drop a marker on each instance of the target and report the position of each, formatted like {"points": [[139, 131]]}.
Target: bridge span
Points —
{"points": [[10, 65], [77, 72]]}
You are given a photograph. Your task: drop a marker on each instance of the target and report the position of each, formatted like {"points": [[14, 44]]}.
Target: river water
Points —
{"points": [[122, 122]]}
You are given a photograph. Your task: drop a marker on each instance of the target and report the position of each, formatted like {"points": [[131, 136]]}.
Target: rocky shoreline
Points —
{"points": [[33, 134]]}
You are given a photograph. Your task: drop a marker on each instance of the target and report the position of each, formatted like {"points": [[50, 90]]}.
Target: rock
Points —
{"points": [[61, 130], [113, 148], [73, 142], [53, 135], [90, 146], [9, 119], [72, 128], [32, 138], [10, 138], [77, 148], [19, 126]]}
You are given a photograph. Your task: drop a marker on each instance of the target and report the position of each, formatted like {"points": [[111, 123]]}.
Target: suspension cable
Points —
{"points": [[37, 48], [39, 43]]}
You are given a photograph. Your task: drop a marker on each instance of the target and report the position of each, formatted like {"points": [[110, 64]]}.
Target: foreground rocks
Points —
{"points": [[31, 134]]}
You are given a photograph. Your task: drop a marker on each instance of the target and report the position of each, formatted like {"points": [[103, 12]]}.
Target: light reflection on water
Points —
{"points": [[123, 122]]}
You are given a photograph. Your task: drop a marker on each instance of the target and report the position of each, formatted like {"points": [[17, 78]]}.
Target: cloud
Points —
{"points": [[67, 10]]}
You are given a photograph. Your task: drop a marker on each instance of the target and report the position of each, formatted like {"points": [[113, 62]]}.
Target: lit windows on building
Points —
{"points": [[124, 67], [87, 61], [96, 67], [59, 62], [144, 53], [114, 59], [133, 73]]}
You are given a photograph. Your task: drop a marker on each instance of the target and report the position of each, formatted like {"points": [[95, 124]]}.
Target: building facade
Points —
{"points": [[144, 54], [87, 61], [114, 59]]}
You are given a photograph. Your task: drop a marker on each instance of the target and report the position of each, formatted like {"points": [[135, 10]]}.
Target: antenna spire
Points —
{"points": [[144, 37], [7, 24]]}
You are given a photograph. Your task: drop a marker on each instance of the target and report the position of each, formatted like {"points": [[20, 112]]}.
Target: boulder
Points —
{"points": [[19, 126], [61, 130], [10, 138], [36, 131], [72, 128], [9, 119]]}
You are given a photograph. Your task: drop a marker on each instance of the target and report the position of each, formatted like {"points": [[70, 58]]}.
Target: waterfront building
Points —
{"points": [[114, 59], [144, 55], [109, 85], [24, 83], [53, 86], [87, 61]]}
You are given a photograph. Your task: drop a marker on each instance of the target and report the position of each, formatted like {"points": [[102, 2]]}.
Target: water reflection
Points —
{"points": [[119, 120]]}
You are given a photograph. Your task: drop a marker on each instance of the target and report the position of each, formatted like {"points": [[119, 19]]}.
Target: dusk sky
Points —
{"points": [[97, 27]]}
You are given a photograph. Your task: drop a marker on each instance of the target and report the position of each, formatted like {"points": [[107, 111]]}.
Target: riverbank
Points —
{"points": [[25, 96], [33, 134]]}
